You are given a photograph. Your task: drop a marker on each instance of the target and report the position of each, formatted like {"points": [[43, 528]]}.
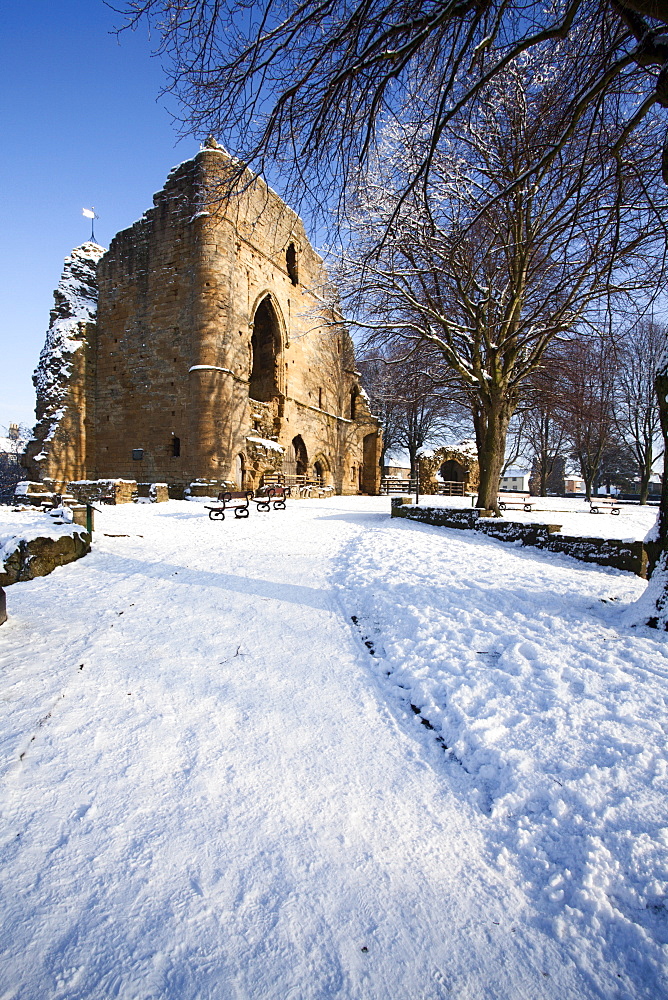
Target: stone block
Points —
{"points": [[396, 503], [79, 514]]}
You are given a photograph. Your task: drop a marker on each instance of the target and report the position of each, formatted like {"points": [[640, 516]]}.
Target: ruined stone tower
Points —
{"points": [[212, 354]]}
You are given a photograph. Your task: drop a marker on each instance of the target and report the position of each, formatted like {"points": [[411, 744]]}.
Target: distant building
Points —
{"points": [[574, 484], [516, 480], [397, 471]]}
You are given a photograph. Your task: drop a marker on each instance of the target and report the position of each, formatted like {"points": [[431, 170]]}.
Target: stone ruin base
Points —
{"points": [[40, 556]]}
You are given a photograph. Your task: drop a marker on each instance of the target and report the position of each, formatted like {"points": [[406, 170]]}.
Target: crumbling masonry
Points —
{"points": [[211, 354]]}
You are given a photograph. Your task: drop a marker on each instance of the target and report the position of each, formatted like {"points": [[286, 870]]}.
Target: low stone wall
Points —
{"points": [[85, 490], [629, 556], [207, 488], [156, 492], [40, 556]]}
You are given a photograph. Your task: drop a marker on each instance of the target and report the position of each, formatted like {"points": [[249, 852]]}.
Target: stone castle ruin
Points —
{"points": [[453, 471], [200, 347]]}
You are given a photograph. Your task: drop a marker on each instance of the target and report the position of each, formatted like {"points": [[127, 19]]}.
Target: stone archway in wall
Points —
{"points": [[322, 469], [457, 465], [266, 352], [295, 460]]}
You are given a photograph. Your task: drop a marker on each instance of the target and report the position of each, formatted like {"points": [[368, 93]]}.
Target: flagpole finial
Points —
{"points": [[89, 213]]}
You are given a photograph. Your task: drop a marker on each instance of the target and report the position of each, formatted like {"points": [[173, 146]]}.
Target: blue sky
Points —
{"points": [[81, 126]]}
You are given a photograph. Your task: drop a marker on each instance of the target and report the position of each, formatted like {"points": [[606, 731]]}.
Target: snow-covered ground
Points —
{"points": [[320, 753]]}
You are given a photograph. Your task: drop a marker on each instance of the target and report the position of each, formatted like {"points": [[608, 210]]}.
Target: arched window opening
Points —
{"points": [[240, 472], [291, 263], [354, 392], [265, 348], [176, 447], [301, 455], [319, 472]]}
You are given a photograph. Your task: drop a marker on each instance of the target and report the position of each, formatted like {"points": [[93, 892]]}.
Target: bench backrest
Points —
{"points": [[227, 495]]}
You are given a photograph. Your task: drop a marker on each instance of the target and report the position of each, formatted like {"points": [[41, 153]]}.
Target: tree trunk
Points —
{"points": [[491, 427], [543, 478], [653, 606], [645, 476], [412, 457], [588, 484]]}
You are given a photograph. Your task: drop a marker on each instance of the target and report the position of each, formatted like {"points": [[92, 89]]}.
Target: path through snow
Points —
{"points": [[210, 789]]}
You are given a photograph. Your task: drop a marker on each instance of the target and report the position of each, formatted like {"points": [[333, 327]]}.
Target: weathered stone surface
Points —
{"points": [[396, 503], [57, 450], [624, 555], [40, 556], [121, 490], [460, 464], [156, 492], [3, 606], [214, 354], [630, 556]]}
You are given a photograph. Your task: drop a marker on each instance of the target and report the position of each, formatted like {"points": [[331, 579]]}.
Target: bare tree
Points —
{"points": [[544, 426], [586, 389], [308, 85], [485, 278], [416, 399], [640, 351], [618, 469], [378, 380]]}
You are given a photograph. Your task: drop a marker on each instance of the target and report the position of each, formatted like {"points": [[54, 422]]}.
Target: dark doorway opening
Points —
{"points": [[301, 456], [453, 472]]}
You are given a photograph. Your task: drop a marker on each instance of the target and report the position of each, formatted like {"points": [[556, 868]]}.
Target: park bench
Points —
{"points": [[238, 501], [514, 502], [272, 496], [599, 505]]}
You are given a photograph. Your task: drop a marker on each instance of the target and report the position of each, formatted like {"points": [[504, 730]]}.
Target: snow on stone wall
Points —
{"points": [[75, 306]]}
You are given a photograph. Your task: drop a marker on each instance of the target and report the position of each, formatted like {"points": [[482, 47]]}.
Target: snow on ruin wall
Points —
{"points": [[57, 450]]}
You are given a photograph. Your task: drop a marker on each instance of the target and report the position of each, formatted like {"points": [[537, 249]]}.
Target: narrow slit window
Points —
{"points": [[291, 263]]}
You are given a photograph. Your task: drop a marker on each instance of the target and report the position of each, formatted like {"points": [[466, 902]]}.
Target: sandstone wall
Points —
{"points": [[201, 348], [180, 296]]}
